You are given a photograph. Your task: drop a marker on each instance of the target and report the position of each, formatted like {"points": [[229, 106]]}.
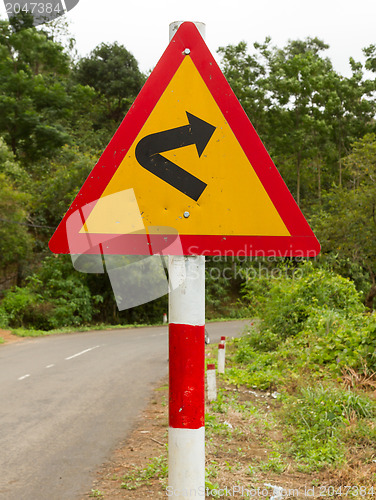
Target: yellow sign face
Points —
{"points": [[225, 196]]}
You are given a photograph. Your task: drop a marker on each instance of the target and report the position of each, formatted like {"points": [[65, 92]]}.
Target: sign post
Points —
{"points": [[186, 434]]}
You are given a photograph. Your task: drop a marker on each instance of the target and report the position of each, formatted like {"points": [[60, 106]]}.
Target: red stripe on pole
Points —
{"points": [[187, 376]]}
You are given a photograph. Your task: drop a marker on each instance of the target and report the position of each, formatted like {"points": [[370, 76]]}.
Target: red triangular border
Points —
{"points": [[302, 241]]}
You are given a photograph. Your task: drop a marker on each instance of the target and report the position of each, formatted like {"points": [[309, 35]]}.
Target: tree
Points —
{"points": [[33, 96], [346, 226], [350, 108], [305, 112], [15, 241], [247, 76], [64, 175], [113, 72], [298, 84]]}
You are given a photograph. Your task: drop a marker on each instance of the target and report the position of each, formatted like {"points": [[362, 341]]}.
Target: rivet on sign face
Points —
{"points": [[186, 214], [187, 51]]}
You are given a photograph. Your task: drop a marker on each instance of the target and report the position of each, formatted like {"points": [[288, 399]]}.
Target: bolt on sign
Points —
{"points": [[185, 173]]}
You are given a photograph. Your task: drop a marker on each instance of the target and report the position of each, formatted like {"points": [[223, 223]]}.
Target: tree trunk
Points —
{"points": [[371, 293], [319, 179], [340, 162], [370, 297], [298, 179]]}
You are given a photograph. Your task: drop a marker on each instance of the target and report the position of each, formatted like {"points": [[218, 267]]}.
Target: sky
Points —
{"points": [[142, 25]]}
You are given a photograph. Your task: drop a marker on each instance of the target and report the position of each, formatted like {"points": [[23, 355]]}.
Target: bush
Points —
{"points": [[292, 301], [4, 320], [337, 340], [313, 322], [54, 297]]}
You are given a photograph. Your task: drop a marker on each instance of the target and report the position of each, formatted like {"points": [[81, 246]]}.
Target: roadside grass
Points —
{"points": [[324, 423], [155, 469], [96, 494], [25, 332]]}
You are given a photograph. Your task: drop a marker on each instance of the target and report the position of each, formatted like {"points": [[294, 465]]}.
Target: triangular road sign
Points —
{"points": [[185, 166]]}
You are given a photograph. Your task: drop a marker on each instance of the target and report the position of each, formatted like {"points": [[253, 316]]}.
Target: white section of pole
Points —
{"points": [[187, 293], [186, 463], [173, 27]]}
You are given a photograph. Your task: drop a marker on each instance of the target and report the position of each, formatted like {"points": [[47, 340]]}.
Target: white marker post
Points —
{"points": [[186, 434], [212, 382], [221, 358]]}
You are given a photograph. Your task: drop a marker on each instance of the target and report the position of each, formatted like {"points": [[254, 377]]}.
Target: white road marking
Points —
{"points": [[82, 352], [24, 376], [49, 366]]}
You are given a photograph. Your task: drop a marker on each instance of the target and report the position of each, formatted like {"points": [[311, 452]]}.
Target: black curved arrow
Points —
{"points": [[148, 155]]}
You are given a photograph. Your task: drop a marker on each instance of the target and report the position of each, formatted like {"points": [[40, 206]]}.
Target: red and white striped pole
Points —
{"points": [[186, 435]]}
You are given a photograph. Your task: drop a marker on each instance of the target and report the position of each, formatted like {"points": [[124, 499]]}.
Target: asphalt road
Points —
{"points": [[66, 401]]}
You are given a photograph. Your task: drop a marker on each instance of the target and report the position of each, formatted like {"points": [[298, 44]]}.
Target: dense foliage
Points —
{"points": [[312, 319]]}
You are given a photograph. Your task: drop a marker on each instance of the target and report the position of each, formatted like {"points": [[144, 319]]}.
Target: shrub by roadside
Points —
{"points": [[316, 345]]}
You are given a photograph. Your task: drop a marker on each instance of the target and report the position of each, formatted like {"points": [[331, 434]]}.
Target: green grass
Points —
{"points": [[274, 463], [214, 426], [96, 494], [221, 319], [318, 417], [23, 332], [318, 422], [156, 469]]}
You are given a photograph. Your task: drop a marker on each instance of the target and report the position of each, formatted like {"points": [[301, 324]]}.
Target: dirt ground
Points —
{"points": [[9, 338], [243, 459]]}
